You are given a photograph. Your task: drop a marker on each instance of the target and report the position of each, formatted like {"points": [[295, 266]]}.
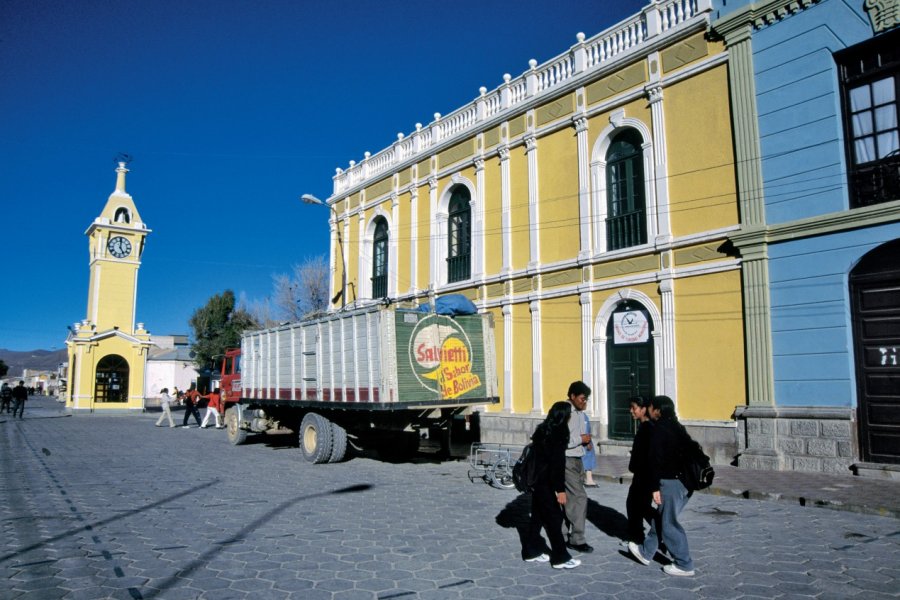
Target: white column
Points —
{"points": [[333, 228], [584, 198], [505, 212], [478, 242], [364, 263], [667, 292], [660, 222], [598, 200], [534, 221], [536, 357], [508, 350], [433, 234], [414, 238], [393, 255], [587, 369]]}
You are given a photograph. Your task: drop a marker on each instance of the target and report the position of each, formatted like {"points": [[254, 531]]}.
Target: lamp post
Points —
{"points": [[310, 199]]}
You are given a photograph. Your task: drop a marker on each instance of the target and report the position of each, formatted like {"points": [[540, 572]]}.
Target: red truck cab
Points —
{"points": [[230, 385]]}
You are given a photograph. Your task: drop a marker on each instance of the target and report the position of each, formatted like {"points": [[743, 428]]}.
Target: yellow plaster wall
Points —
{"points": [[424, 247], [561, 352], [353, 247], [558, 194], [499, 356], [493, 218], [116, 296], [404, 237], [518, 176], [701, 161], [522, 358], [709, 345]]}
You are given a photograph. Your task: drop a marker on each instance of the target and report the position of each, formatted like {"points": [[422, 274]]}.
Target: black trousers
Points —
{"points": [[547, 513], [191, 409], [639, 508]]}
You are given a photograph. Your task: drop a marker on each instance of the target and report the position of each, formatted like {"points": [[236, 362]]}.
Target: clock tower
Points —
{"points": [[107, 349]]}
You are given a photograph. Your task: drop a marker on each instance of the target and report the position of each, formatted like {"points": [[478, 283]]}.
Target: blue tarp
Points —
{"points": [[451, 304]]}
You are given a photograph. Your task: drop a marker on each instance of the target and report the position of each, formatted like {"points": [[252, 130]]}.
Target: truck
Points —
{"points": [[378, 376]]}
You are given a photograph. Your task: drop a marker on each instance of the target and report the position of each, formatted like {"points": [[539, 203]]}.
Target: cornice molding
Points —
{"points": [[759, 15]]}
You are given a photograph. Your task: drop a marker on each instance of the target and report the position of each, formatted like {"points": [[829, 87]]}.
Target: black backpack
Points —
{"points": [[696, 472], [525, 472]]}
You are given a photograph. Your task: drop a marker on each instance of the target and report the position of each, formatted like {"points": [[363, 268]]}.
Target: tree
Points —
{"points": [[218, 326], [304, 293], [4, 368]]}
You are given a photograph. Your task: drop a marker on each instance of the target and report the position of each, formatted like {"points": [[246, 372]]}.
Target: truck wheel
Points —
{"points": [[236, 435], [315, 438], [338, 443]]}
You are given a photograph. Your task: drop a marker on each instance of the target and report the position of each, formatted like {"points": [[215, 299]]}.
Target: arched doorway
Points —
{"points": [[875, 306], [629, 365], [112, 379]]}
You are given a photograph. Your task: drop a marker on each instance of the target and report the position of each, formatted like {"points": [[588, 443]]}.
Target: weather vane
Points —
{"points": [[121, 157]]}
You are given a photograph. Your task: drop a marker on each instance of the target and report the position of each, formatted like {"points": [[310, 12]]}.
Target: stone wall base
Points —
{"points": [[805, 438], [719, 440]]}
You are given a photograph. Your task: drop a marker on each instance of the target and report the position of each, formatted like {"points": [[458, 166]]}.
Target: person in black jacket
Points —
{"points": [[549, 494], [666, 444], [638, 505]]}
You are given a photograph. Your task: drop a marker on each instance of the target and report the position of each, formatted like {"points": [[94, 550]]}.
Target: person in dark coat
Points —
{"points": [[19, 396], [667, 443], [549, 494], [639, 504]]}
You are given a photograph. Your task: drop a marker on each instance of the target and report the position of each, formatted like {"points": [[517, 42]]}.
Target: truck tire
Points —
{"points": [[315, 438], [236, 435], [338, 443]]}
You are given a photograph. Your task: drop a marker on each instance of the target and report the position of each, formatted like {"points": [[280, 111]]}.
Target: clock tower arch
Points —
{"points": [[108, 349]]}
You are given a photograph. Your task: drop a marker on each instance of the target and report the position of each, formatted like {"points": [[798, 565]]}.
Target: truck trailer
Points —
{"points": [[378, 376]]}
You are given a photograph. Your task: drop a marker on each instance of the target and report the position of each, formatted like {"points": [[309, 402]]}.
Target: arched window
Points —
{"points": [[380, 259], [459, 235], [626, 222], [112, 379], [122, 215]]}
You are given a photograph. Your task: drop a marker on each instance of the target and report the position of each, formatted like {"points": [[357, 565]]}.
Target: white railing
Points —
{"points": [[628, 36]]}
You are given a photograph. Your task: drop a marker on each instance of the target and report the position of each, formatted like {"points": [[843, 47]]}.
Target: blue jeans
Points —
{"points": [[674, 498]]}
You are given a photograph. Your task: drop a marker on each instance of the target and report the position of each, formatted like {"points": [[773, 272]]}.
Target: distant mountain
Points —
{"points": [[42, 360]]}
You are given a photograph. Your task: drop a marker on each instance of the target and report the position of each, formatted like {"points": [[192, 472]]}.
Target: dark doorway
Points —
{"points": [[875, 298], [629, 365], [112, 379]]}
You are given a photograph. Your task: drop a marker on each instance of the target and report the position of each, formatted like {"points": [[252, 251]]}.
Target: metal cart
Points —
{"points": [[493, 464]]}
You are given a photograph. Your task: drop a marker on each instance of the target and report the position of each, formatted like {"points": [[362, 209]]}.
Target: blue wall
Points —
{"points": [[798, 100], [812, 337]]}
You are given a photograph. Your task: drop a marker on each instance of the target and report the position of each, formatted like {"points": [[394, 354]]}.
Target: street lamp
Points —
{"points": [[310, 199]]}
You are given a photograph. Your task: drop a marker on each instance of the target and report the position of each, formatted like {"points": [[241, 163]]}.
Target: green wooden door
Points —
{"points": [[629, 373]]}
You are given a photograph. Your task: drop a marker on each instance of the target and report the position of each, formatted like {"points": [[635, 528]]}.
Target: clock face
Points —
{"points": [[119, 247]]}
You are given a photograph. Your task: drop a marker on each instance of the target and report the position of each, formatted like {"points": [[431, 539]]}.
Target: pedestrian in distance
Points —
{"points": [[5, 398], [639, 503], [576, 496], [190, 398], [165, 400], [214, 408], [667, 441], [589, 460], [19, 396], [548, 497]]}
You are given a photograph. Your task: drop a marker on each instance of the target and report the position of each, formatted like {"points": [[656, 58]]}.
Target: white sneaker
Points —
{"points": [[671, 569], [541, 558], [635, 551], [569, 564]]}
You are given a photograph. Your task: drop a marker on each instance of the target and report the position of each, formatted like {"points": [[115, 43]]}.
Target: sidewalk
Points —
{"points": [[836, 491], [840, 492]]}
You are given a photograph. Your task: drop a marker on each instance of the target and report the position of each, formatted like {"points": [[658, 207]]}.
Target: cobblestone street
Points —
{"points": [[112, 507]]}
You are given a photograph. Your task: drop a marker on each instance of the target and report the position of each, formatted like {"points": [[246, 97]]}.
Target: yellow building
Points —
{"points": [[586, 205], [107, 350]]}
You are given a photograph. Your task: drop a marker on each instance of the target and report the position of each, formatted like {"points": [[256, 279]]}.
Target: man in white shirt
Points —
{"points": [[576, 496]]}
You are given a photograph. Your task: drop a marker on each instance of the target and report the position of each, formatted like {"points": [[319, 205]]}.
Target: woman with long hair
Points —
{"points": [[638, 504], [669, 494], [549, 494]]}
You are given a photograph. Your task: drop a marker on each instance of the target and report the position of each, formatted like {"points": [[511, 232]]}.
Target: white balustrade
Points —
{"points": [[655, 19]]}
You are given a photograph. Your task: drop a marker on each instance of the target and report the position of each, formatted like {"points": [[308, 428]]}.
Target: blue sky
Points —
{"points": [[231, 109]]}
